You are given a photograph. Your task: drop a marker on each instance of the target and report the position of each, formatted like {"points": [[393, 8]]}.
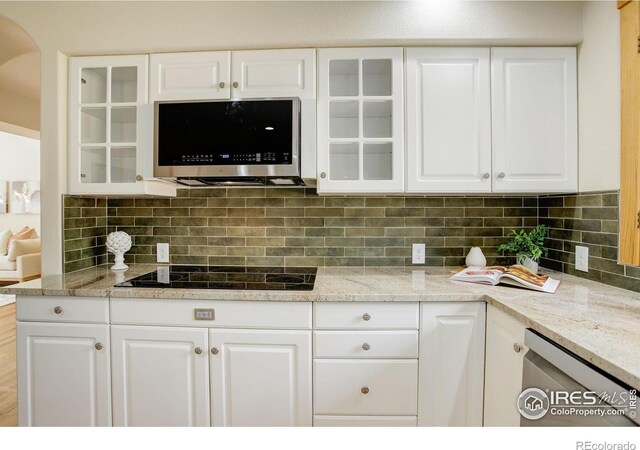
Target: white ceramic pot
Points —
{"points": [[475, 258], [531, 265]]}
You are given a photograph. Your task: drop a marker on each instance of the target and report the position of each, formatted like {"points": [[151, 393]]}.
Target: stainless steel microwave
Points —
{"points": [[227, 138]]}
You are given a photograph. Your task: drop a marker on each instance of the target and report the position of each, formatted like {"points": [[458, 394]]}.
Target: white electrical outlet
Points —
{"points": [[162, 253], [582, 258], [417, 254]]}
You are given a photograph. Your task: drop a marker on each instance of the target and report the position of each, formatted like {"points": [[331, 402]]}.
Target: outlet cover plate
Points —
{"points": [[582, 258], [417, 253], [162, 252]]}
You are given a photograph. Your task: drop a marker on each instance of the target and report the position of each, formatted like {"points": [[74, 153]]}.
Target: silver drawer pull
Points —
{"points": [[57, 310], [364, 390], [517, 347], [214, 351], [365, 346], [98, 346], [366, 317]]}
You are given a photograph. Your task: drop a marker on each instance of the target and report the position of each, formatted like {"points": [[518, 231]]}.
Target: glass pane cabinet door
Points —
{"points": [[105, 97], [360, 120]]}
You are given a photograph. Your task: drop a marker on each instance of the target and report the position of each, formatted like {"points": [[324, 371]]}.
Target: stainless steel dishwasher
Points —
{"points": [[562, 389]]}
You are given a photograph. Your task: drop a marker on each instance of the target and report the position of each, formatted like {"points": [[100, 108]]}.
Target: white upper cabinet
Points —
{"points": [[242, 74], [534, 115], [360, 120], [109, 142], [448, 119], [189, 76], [274, 73]]}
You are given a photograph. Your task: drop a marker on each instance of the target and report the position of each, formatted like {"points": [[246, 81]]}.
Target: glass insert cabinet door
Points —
{"points": [[360, 120], [106, 142]]}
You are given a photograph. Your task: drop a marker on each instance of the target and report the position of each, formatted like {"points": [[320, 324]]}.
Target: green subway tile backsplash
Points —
{"points": [[295, 226], [272, 226], [589, 220]]}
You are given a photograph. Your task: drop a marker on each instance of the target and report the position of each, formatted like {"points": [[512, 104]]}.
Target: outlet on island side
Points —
{"points": [[162, 252], [417, 254], [582, 258]]}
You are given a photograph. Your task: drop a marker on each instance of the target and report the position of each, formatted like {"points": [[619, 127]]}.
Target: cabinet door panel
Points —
{"points": [[360, 120], [158, 378], [503, 372], [190, 76], [274, 73], [451, 364], [534, 115], [261, 378], [63, 379], [448, 120]]}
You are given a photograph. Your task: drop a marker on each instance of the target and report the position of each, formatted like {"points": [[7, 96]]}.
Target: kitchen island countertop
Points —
{"points": [[599, 323]]}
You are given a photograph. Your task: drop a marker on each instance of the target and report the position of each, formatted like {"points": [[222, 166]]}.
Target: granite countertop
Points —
{"points": [[599, 323]]}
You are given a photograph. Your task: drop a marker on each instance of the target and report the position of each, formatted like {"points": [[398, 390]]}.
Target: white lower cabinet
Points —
{"points": [[160, 376], [260, 377], [451, 364], [64, 374], [365, 421], [503, 371]]}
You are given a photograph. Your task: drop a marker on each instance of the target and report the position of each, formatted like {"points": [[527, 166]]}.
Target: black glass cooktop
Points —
{"points": [[227, 277]]}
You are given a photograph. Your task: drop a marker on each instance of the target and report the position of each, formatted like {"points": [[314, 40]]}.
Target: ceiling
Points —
{"points": [[19, 61]]}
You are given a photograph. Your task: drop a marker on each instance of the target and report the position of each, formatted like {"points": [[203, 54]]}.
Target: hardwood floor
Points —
{"points": [[8, 382]]}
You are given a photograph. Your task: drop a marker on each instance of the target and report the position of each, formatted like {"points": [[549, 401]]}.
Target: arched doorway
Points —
{"points": [[20, 172]]}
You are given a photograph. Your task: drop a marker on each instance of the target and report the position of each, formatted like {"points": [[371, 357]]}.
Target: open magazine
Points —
{"points": [[515, 275]]}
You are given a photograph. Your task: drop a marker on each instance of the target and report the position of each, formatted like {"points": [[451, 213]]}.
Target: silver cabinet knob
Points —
{"points": [[57, 310], [197, 351], [486, 175], [364, 390], [98, 346], [235, 84], [501, 175], [517, 347], [139, 178], [214, 351], [323, 175], [366, 317], [221, 85], [365, 346]]}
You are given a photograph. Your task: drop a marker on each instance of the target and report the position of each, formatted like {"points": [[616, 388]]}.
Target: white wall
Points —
{"points": [[599, 97], [19, 161], [92, 28]]}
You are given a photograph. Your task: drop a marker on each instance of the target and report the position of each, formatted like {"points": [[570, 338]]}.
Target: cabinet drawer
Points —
{"points": [[366, 344], [365, 421], [228, 314], [366, 315], [354, 387], [62, 309]]}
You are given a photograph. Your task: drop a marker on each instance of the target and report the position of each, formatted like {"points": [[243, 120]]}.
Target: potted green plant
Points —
{"points": [[528, 247]]}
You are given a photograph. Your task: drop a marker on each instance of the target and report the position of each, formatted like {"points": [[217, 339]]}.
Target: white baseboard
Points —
{"points": [[7, 299]]}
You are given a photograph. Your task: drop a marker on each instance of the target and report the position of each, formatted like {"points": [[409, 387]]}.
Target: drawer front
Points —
{"points": [[365, 421], [366, 344], [354, 387], [212, 314], [62, 309], [365, 316]]}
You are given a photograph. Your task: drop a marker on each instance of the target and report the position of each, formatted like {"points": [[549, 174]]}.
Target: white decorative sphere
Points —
{"points": [[118, 243]]}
